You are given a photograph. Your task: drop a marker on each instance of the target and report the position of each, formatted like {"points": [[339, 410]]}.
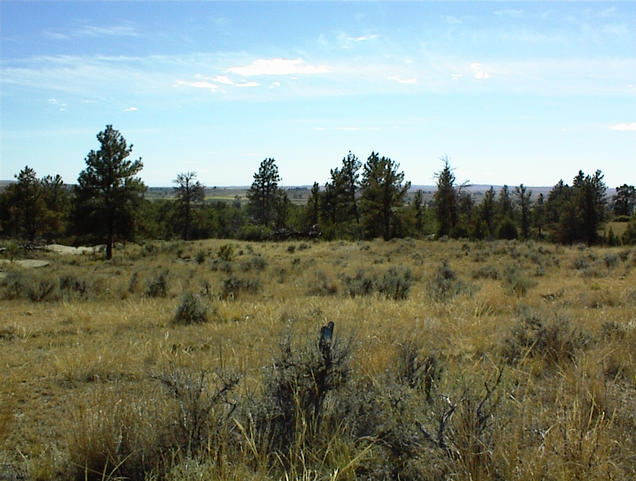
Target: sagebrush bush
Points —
{"points": [[446, 284], [297, 385], [554, 340], [322, 285], [363, 283], [157, 285], [256, 262], [233, 285], [35, 287], [204, 403], [226, 252], [516, 281], [486, 272], [395, 283], [191, 310]]}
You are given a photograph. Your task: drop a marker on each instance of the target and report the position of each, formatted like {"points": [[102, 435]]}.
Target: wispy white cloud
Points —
{"points": [[478, 71], [362, 38], [223, 79], [123, 30], [60, 105], [624, 127], [400, 80], [199, 84], [509, 12], [130, 109], [279, 66]]}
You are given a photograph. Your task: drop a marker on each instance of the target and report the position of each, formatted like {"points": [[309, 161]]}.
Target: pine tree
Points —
{"points": [[263, 194], [108, 194], [383, 190], [190, 195], [445, 200]]}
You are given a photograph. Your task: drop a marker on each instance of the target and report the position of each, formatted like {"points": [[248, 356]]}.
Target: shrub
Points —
{"points": [[395, 283], [446, 284], [157, 286], [486, 272], [361, 284], [204, 406], [226, 252], [297, 386], [415, 371], [256, 262], [221, 265], [322, 285], [233, 285], [610, 259], [291, 248], [555, 340], [71, 284], [191, 310], [200, 256], [516, 282], [31, 286]]}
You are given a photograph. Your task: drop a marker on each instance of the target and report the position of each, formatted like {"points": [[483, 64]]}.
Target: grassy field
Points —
{"points": [[201, 360]]}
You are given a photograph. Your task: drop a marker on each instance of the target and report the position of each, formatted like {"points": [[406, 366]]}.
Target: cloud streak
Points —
{"points": [[94, 31], [624, 127], [280, 67]]}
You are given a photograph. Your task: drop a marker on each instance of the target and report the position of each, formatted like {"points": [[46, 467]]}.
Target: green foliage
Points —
{"points": [[31, 207], [506, 229], [190, 194], [624, 202], [629, 236], [108, 194], [445, 200], [264, 193], [383, 190]]}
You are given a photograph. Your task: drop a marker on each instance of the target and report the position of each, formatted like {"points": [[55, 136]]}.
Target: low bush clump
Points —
{"points": [[446, 284], [554, 340], [322, 285], [486, 272], [232, 286], [226, 252], [516, 282], [30, 286], [191, 310], [395, 283], [157, 286]]}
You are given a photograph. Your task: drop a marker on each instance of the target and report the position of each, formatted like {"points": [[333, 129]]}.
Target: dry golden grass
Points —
{"points": [[81, 363]]}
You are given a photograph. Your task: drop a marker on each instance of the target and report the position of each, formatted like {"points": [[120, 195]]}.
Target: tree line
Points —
{"points": [[359, 201]]}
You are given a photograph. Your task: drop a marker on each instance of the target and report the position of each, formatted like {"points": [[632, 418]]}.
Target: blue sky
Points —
{"points": [[526, 92]]}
